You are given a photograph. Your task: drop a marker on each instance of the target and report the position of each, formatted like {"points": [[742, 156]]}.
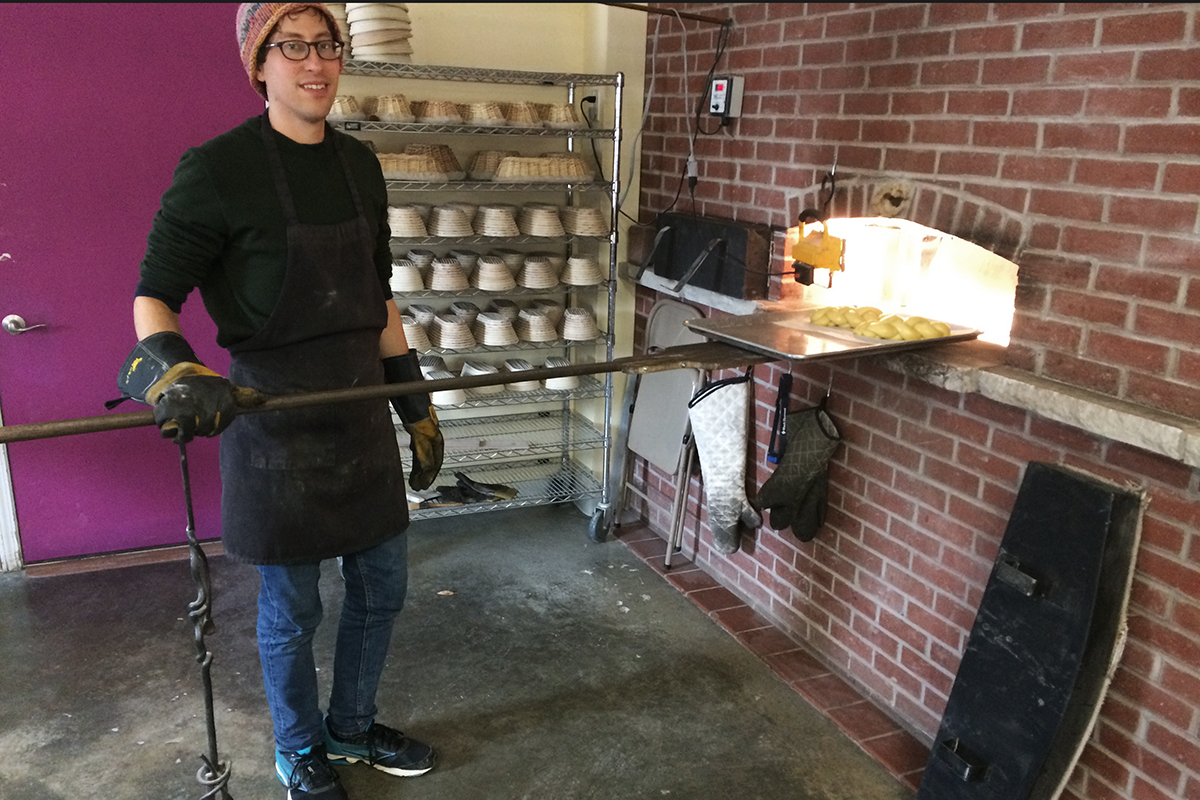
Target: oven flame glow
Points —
{"points": [[906, 268]]}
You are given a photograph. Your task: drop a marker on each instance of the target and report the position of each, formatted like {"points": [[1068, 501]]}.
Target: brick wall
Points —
{"points": [[1083, 123]]}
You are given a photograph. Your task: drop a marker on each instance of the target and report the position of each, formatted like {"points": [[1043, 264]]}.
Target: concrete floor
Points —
{"points": [[556, 669]]}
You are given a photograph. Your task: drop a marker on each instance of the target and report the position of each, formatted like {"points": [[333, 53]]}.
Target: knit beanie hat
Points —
{"points": [[255, 21]]}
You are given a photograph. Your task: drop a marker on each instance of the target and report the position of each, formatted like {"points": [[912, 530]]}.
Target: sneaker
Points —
{"points": [[383, 748], [308, 774]]}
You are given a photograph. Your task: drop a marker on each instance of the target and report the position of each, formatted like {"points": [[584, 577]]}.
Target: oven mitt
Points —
{"points": [[719, 417], [419, 418], [189, 399], [794, 495]]}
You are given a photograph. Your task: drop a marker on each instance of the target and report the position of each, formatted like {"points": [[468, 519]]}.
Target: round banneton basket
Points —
{"points": [[581, 271], [493, 330], [415, 333], [438, 112], [517, 366], [534, 326], [584, 221], [550, 308], [465, 310], [406, 221], [537, 273], [561, 116], [505, 308], [451, 332], [496, 219], [579, 325], [345, 107], [445, 397], [449, 222], [474, 368], [540, 219], [482, 114], [406, 277], [564, 383], [393, 108], [447, 275], [442, 155], [523, 115], [423, 314], [484, 163], [410, 167], [432, 363], [492, 275]]}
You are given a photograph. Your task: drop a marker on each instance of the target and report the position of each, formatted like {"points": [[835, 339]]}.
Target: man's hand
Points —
{"points": [[419, 419]]}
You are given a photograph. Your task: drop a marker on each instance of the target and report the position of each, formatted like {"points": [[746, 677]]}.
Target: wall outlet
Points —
{"points": [[592, 111]]}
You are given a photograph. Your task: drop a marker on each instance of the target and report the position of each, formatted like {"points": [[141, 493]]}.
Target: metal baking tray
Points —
{"points": [[789, 335]]}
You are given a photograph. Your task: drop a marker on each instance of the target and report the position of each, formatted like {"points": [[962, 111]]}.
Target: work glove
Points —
{"points": [[419, 418], [795, 494], [189, 399]]}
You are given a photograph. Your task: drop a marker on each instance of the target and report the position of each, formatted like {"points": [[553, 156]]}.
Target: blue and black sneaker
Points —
{"points": [[383, 748], [307, 774]]}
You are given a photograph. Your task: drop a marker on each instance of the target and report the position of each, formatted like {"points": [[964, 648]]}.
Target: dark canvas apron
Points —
{"points": [[308, 484]]}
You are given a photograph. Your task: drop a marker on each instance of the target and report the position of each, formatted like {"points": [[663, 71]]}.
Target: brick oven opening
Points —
{"points": [[905, 267]]}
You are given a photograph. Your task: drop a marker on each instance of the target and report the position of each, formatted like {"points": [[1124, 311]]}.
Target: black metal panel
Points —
{"points": [[736, 267], [1026, 648]]}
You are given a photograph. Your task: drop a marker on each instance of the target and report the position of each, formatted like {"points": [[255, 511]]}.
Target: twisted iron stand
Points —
{"points": [[213, 775]]}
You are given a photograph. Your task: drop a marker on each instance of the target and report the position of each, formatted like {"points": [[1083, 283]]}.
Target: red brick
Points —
{"points": [[1189, 103], [897, 74], [1009, 71], [950, 14], [1052, 102], [978, 104], [1143, 28], [1105, 243], [1167, 395], [1125, 350], [915, 103], [777, 56], [992, 39], [1039, 169], [1164, 324], [904, 160], [804, 28], [1181, 178], [941, 131], [950, 73], [923, 44], [1055, 270], [1111, 67], [1166, 138], [895, 18], [1116, 174], [1146, 103], [888, 131], [1067, 205], [1139, 690], [1181, 254], [968, 163], [842, 78], [876, 48], [1060, 34], [866, 103], [1025, 10], [823, 53], [1080, 372], [1008, 135], [1090, 307], [837, 26], [1081, 136]]}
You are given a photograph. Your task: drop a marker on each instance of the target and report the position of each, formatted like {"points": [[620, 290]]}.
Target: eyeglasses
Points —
{"points": [[297, 50]]}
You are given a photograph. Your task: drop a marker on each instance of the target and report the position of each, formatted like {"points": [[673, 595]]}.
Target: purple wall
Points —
{"points": [[98, 103]]}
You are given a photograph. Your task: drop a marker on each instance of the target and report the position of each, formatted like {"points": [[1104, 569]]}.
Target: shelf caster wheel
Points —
{"points": [[599, 526]]}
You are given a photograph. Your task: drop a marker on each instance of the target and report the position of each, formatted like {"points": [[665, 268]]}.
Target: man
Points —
{"points": [[282, 225]]}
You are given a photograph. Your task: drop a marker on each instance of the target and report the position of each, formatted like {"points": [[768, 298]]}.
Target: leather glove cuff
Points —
{"points": [[156, 362], [411, 408]]}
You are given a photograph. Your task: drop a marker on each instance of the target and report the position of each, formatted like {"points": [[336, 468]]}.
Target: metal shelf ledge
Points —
{"points": [[513, 436], [387, 69], [463, 129], [538, 483], [440, 240], [557, 344], [493, 186], [403, 298]]}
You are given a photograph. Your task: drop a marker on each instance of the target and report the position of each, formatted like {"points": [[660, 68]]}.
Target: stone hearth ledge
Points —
{"points": [[978, 368]]}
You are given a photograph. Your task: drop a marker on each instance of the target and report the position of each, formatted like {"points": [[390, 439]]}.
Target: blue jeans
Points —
{"points": [[289, 610]]}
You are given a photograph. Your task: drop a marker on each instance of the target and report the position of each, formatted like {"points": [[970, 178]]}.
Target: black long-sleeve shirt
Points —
{"points": [[221, 227]]}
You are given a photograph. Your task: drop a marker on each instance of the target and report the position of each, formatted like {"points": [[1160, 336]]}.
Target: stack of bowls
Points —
{"points": [[537, 273], [449, 222], [380, 32], [581, 271], [492, 275], [579, 325], [447, 275], [540, 219], [493, 330], [451, 332], [584, 221], [533, 325], [496, 219]]}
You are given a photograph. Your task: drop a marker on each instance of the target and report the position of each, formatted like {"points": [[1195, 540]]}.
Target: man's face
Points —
{"points": [[302, 90]]}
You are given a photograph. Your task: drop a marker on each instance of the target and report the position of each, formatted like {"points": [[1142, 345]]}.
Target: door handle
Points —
{"points": [[14, 324]]}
